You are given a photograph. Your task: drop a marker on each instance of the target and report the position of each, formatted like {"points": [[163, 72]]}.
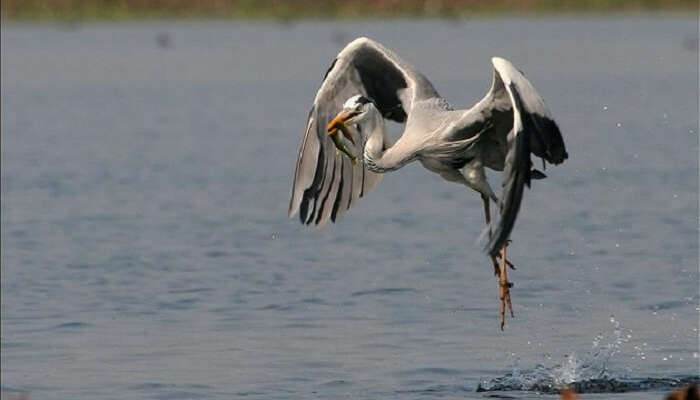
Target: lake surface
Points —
{"points": [[146, 251]]}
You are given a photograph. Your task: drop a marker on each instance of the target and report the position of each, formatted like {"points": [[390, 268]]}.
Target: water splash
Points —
{"points": [[602, 385], [588, 373]]}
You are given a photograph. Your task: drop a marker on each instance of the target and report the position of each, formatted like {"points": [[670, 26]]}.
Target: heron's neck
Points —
{"points": [[379, 155]]}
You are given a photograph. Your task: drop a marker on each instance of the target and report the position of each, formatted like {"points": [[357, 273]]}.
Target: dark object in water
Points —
{"points": [[163, 40], [689, 393], [568, 394]]}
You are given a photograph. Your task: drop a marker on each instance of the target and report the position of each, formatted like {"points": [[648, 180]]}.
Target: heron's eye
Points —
{"points": [[358, 108]]}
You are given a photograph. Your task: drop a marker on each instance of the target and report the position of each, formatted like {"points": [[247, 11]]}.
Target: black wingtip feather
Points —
{"points": [[537, 174], [548, 142], [321, 209], [338, 197]]}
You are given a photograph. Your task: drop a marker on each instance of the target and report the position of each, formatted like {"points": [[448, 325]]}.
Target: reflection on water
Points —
{"points": [[146, 253]]}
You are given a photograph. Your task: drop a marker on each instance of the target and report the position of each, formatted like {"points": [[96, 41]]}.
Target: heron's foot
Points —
{"points": [[503, 284], [504, 295], [497, 264]]}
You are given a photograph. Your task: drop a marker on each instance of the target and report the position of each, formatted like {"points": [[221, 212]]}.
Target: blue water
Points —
{"points": [[146, 253]]}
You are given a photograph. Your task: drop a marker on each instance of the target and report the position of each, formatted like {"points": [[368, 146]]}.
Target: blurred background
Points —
{"points": [[222, 9], [147, 154]]}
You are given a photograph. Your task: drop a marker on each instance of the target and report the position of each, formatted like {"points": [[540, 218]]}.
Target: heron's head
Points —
{"points": [[356, 109]]}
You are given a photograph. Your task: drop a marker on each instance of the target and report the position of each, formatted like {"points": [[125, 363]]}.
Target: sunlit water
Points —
{"points": [[146, 252]]}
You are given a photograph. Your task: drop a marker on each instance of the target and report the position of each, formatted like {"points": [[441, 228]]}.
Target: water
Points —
{"points": [[146, 253]]}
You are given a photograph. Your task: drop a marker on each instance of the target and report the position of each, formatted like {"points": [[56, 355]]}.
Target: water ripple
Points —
{"points": [[72, 325], [383, 291]]}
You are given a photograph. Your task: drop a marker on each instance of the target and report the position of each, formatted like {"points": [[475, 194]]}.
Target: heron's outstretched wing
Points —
{"points": [[521, 122], [327, 184]]}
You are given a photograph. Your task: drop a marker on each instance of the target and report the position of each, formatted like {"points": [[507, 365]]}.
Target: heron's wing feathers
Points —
{"points": [[327, 184], [392, 83], [523, 125]]}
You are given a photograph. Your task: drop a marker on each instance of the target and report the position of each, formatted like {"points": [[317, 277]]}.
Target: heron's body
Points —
{"points": [[500, 132], [460, 161]]}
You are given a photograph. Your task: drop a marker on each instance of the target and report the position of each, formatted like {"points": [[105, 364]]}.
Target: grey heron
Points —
{"points": [[345, 149]]}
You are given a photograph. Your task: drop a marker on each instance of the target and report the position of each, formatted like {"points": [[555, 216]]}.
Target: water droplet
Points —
{"points": [[665, 359], [617, 245], [695, 354], [605, 108], [619, 125], [675, 195]]}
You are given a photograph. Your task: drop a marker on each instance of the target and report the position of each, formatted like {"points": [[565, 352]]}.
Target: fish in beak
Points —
{"points": [[339, 124]]}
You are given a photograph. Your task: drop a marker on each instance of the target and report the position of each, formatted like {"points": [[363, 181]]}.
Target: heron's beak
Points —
{"points": [[338, 124]]}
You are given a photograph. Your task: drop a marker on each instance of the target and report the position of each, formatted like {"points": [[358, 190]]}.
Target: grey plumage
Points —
{"points": [[500, 132]]}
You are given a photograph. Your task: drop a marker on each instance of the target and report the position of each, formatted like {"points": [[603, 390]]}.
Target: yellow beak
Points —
{"points": [[338, 123]]}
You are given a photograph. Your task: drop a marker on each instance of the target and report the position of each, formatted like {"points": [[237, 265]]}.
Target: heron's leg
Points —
{"points": [[487, 213], [499, 268], [504, 287], [475, 178]]}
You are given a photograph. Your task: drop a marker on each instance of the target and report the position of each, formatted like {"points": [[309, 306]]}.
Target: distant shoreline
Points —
{"points": [[330, 9]]}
